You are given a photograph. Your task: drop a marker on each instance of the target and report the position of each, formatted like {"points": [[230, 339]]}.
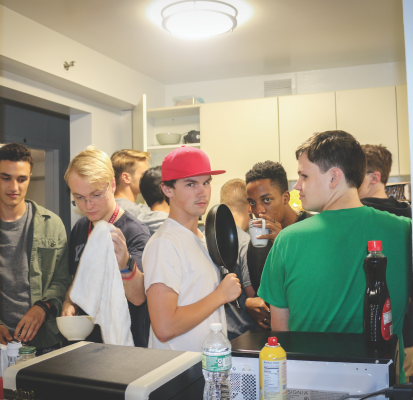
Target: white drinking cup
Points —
{"points": [[257, 231]]}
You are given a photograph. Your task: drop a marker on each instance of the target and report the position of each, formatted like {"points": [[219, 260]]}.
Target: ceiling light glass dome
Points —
{"points": [[194, 19]]}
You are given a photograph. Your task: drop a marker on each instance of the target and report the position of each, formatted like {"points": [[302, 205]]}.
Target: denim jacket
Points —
{"points": [[48, 272]]}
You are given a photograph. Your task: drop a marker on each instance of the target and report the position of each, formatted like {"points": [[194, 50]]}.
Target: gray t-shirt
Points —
{"points": [[238, 320], [16, 240], [131, 207], [152, 219]]}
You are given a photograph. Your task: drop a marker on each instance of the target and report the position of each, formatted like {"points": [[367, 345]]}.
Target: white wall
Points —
{"points": [[408, 40], [37, 52], [358, 77]]}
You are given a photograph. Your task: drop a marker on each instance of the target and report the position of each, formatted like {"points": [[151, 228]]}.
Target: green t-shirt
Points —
{"points": [[315, 269]]}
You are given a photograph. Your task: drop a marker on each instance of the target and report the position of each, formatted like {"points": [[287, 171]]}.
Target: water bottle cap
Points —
{"points": [[13, 348], [14, 345], [217, 326], [375, 245], [272, 341]]}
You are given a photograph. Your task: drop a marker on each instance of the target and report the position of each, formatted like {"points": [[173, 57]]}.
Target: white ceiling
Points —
{"points": [[282, 36]]}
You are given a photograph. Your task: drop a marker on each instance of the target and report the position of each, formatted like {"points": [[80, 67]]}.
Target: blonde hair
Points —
{"points": [[126, 161], [93, 165], [234, 195]]}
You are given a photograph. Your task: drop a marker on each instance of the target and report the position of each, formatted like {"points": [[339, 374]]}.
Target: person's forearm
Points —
{"points": [[182, 319], [68, 300], [134, 287], [61, 279], [279, 319]]}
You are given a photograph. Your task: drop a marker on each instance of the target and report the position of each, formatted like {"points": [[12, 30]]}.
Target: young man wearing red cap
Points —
{"points": [[182, 283]]}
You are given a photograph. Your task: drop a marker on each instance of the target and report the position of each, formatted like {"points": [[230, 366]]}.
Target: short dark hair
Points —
{"points": [[234, 195], [169, 184], [16, 152], [271, 170], [378, 159], [150, 186], [336, 149]]}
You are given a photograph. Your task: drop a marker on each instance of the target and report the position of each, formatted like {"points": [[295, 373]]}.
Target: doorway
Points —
{"points": [[47, 134]]}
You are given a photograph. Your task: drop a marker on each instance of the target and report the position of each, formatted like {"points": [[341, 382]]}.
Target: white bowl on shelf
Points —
{"points": [[168, 138], [75, 328]]}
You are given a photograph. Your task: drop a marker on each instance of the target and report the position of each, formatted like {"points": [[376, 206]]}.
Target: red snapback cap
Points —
{"points": [[186, 162]]}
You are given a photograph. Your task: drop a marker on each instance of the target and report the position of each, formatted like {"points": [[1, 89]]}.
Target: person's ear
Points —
{"points": [[336, 174], [113, 185], [167, 191], [125, 177], [286, 196], [375, 177]]}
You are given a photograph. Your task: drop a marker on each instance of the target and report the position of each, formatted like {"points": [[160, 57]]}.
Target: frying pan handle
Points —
{"points": [[236, 303], [225, 273]]}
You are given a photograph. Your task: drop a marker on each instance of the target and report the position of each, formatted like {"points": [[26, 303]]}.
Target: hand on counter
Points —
{"points": [[30, 324], [229, 288], [259, 312], [5, 336]]}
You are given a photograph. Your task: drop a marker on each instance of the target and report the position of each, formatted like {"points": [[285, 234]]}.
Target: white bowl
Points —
{"points": [[168, 138], [75, 328]]}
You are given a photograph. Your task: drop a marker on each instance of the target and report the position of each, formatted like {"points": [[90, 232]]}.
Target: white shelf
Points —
{"points": [[160, 149], [174, 112]]}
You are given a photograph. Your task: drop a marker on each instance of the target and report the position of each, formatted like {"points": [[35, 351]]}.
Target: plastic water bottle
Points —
{"points": [[216, 364]]}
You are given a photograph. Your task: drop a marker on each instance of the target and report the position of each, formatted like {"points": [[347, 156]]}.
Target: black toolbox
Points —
{"points": [[106, 372]]}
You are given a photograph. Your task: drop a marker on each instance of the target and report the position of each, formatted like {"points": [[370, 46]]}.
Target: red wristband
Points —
{"points": [[133, 274]]}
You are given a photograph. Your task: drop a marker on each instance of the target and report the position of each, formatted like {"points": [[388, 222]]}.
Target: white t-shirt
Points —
{"points": [[178, 258]]}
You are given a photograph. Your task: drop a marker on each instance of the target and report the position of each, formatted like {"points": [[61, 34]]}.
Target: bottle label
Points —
{"points": [[274, 379], [216, 363], [386, 321]]}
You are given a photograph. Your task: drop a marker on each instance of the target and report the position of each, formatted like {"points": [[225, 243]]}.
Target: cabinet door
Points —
{"points": [[403, 130], [300, 117], [235, 135], [139, 126], [370, 116]]}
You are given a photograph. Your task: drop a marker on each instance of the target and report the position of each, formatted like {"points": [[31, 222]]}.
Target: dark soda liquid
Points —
{"points": [[375, 298]]}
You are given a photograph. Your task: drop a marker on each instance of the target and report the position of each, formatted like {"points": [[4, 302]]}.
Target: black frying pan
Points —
{"points": [[222, 238]]}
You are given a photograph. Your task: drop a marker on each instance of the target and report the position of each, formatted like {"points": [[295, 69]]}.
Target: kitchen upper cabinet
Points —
{"points": [[235, 135], [147, 123], [300, 117], [403, 130], [370, 115]]}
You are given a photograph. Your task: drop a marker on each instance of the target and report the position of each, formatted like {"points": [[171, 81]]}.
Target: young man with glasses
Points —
{"points": [[91, 180], [34, 274]]}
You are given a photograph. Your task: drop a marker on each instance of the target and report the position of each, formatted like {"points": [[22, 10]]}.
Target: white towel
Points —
{"points": [[98, 287]]}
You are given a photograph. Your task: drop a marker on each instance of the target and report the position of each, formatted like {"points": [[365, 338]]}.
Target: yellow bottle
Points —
{"points": [[273, 371]]}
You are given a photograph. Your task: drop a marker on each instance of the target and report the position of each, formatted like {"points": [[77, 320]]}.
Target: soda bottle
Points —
{"points": [[377, 316], [216, 364], [273, 371]]}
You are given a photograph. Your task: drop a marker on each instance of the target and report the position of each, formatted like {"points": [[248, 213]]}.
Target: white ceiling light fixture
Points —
{"points": [[196, 19]]}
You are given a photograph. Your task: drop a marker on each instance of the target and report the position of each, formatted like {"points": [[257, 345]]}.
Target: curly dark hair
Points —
{"points": [[336, 149], [16, 152], [271, 170]]}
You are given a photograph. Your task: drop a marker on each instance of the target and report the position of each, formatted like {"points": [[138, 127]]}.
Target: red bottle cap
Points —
{"points": [[375, 245], [272, 341]]}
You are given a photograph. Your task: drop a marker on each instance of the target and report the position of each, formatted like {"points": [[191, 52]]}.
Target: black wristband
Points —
{"points": [[43, 305]]}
